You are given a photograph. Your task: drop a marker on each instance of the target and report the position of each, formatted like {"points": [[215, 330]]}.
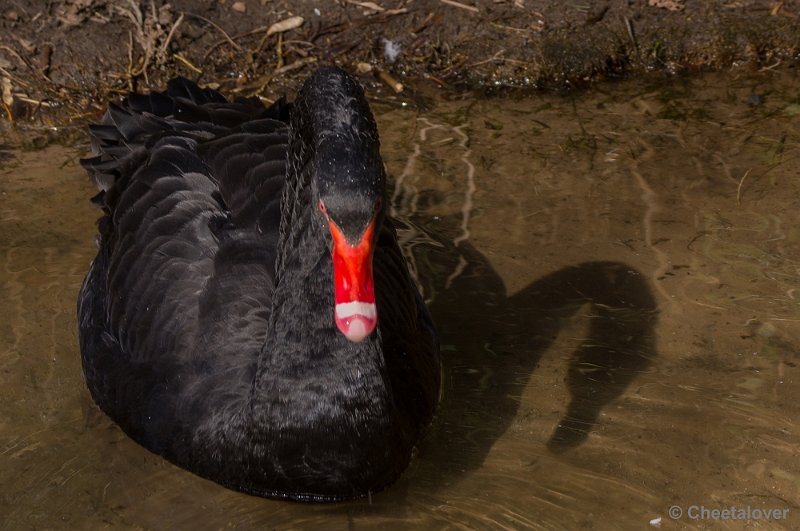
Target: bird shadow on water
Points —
{"points": [[493, 344]]}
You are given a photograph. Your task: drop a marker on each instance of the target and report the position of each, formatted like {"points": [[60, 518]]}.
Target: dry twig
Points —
{"points": [[460, 5], [387, 78], [224, 33], [739, 188], [366, 5], [163, 50], [295, 65], [186, 62]]}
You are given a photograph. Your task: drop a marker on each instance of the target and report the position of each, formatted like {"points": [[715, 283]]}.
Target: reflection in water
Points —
{"points": [[406, 196], [614, 278]]}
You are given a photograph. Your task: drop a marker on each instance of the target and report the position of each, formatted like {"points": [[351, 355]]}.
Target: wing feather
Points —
{"points": [[191, 187]]}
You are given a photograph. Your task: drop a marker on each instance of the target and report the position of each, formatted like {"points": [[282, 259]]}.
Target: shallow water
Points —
{"points": [[614, 276]]}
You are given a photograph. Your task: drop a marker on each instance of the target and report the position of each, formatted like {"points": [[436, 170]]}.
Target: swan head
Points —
{"points": [[353, 216], [340, 139]]}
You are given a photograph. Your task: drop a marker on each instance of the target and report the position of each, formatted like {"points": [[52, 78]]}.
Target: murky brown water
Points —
{"points": [[674, 208]]}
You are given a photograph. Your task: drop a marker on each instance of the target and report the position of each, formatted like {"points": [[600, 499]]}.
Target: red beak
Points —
{"points": [[355, 312]]}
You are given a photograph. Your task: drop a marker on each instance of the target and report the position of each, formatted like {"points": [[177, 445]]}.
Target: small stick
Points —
{"points": [[279, 28], [632, 35], [770, 67], [459, 4], [367, 5], [130, 61], [279, 49], [496, 57], [163, 51], [389, 80], [294, 66], [27, 63], [15, 79], [435, 79], [7, 98], [739, 189], [224, 33], [34, 102], [510, 28], [296, 41], [186, 62], [424, 24], [21, 59]]}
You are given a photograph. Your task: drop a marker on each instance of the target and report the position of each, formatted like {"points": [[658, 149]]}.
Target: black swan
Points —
{"points": [[249, 315]]}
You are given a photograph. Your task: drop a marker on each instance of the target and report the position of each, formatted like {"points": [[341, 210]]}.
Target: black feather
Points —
{"points": [[206, 320]]}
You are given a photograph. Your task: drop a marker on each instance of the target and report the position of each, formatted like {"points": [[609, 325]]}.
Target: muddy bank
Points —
{"points": [[60, 60]]}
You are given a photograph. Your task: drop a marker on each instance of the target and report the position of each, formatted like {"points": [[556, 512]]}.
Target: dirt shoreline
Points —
{"points": [[60, 60]]}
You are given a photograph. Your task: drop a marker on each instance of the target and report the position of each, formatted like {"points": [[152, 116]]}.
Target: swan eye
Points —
{"points": [[378, 204], [322, 208]]}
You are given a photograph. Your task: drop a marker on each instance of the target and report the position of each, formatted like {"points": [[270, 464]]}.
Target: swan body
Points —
{"points": [[249, 315]]}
